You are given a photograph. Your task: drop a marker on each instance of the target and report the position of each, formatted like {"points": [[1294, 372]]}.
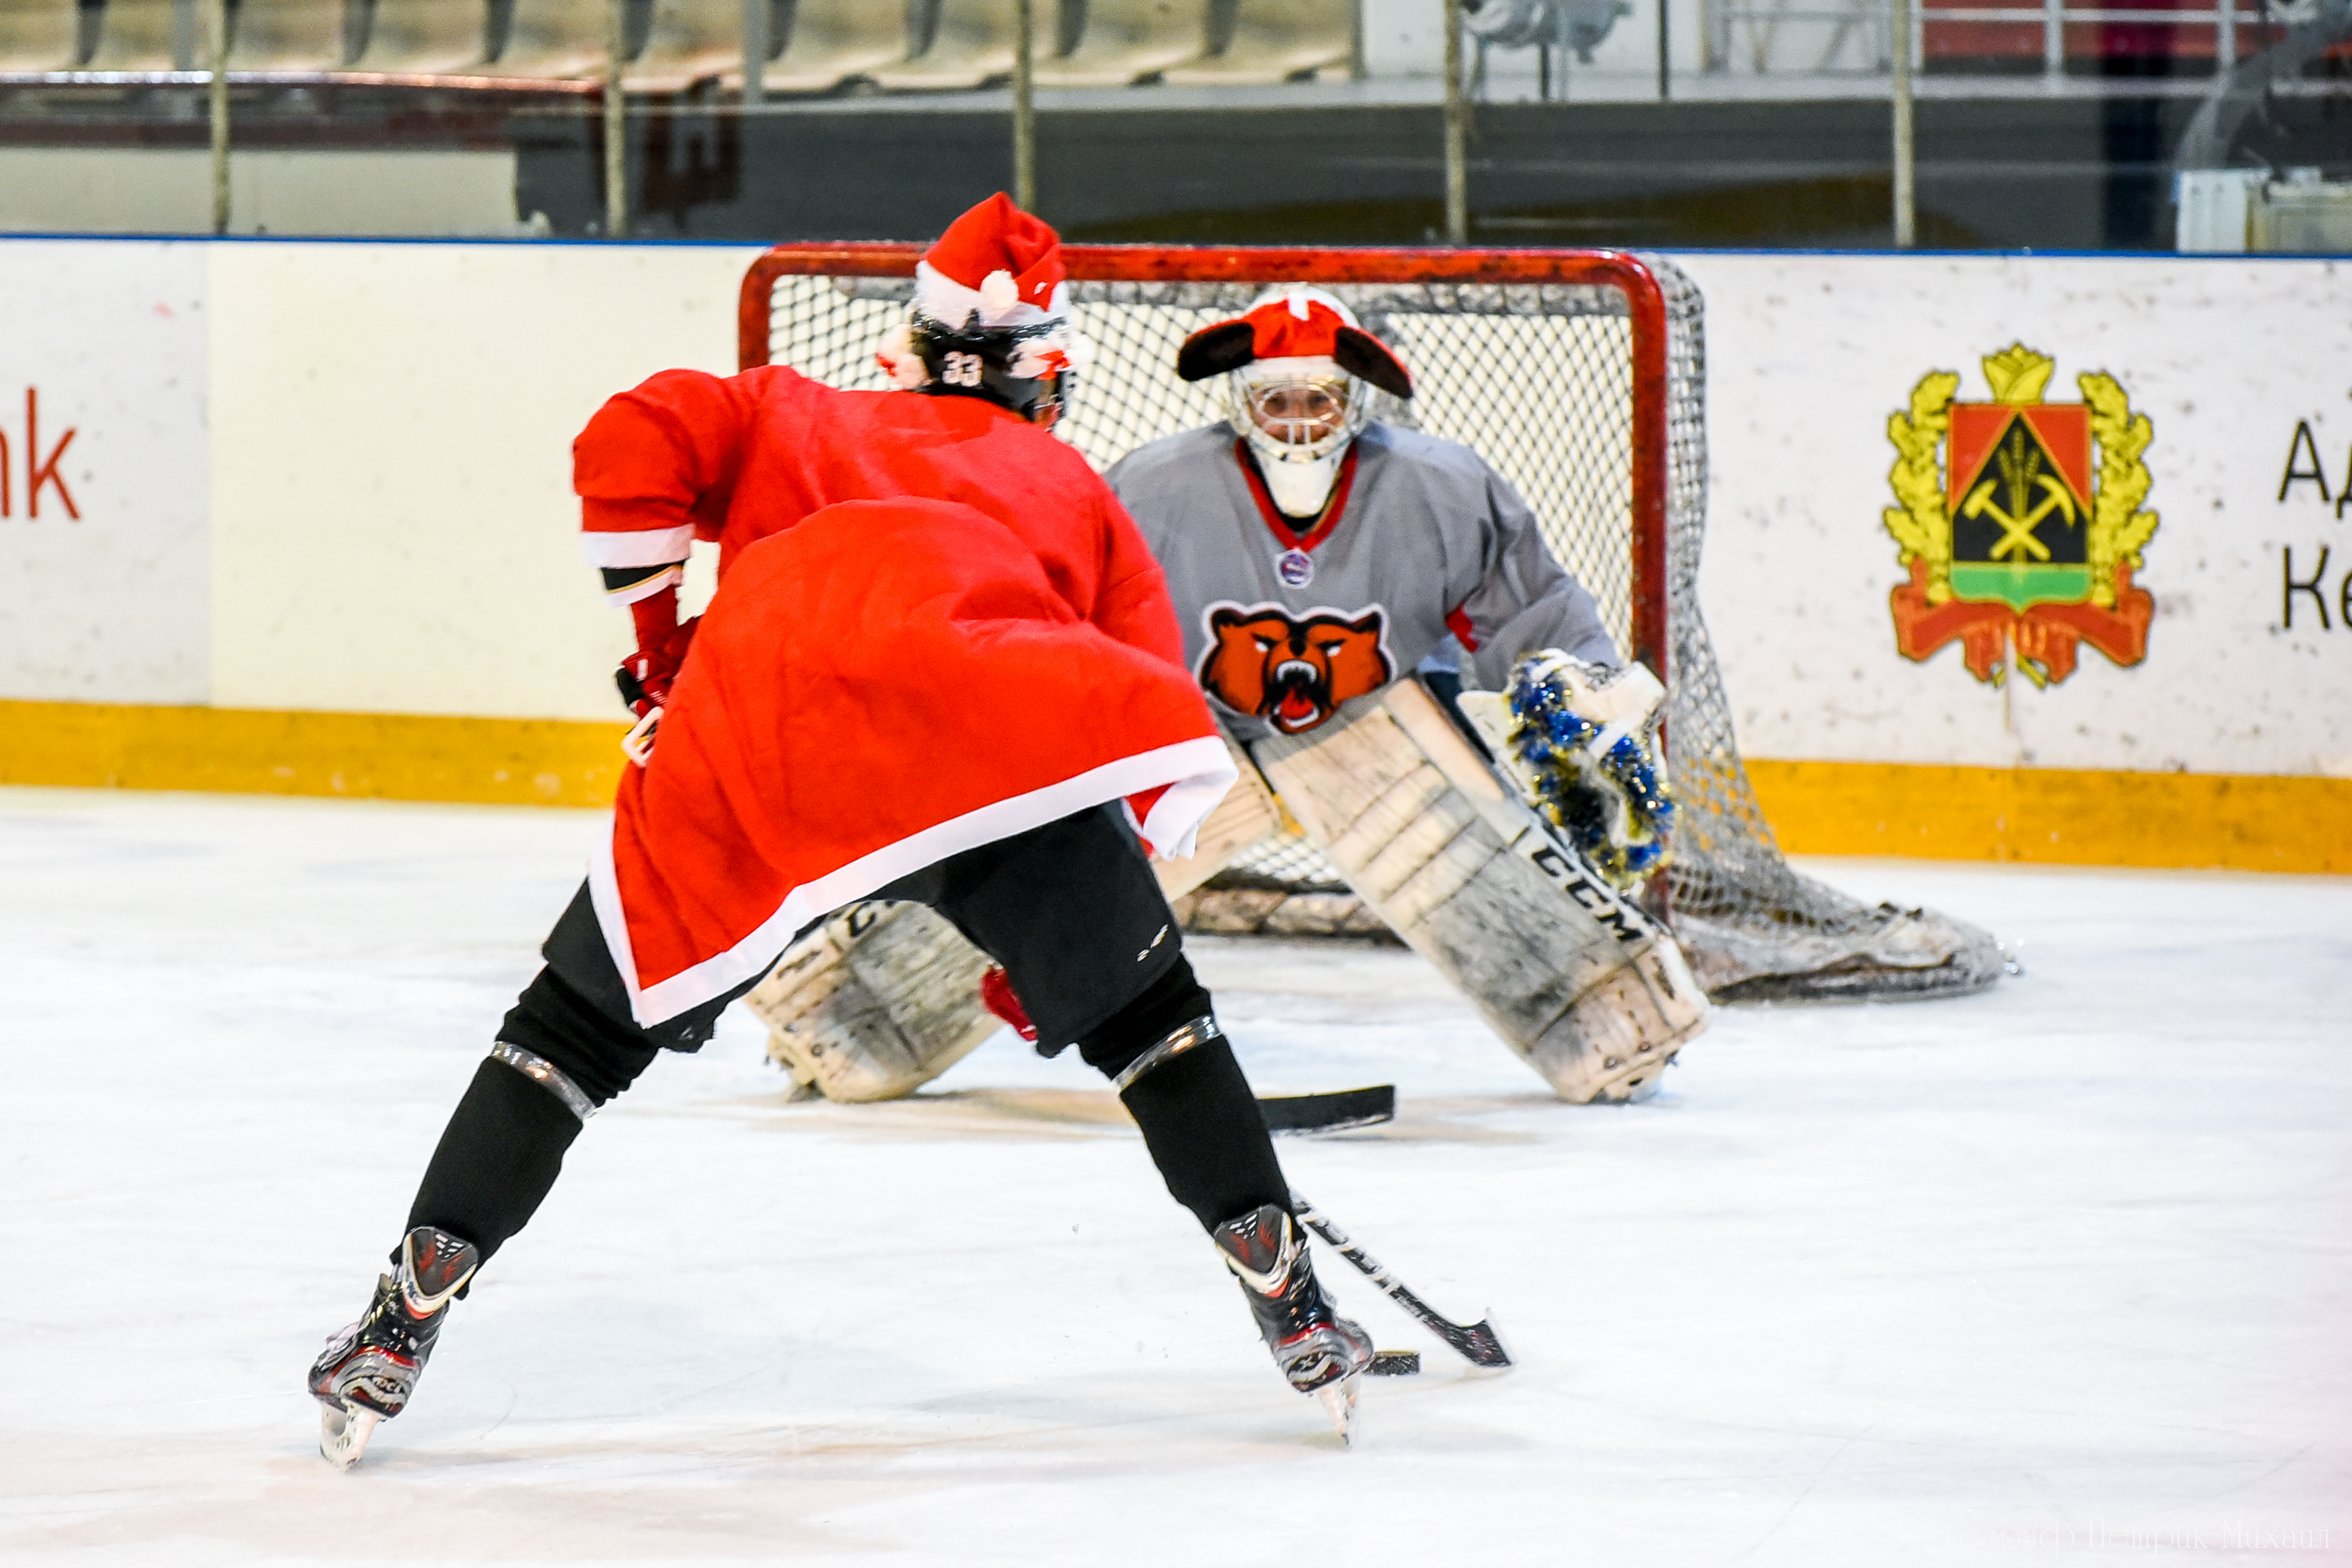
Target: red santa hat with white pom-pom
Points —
{"points": [[996, 267]]}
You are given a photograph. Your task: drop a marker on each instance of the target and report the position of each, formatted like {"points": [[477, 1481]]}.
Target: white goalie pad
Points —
{"points": [[875, 1003], [883, 998], [1573, 975]]}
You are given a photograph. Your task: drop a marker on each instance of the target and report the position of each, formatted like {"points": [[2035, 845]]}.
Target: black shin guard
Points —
{"points": [[1199, 1118]]}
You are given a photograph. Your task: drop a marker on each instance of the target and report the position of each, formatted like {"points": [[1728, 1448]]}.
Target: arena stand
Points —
{"points": [[818, 46]]}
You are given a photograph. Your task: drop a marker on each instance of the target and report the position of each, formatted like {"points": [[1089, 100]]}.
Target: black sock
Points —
{"points": [[1199, 1118], [1207, 1135], [504, 1145], [497, 1159]]}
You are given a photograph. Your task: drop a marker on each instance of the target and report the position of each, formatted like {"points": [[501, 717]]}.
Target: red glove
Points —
{"points": [[645, 676], [996, 995]]}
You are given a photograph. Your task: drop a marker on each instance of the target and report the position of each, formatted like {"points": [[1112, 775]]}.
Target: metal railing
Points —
{"points": [[1743, 35]]}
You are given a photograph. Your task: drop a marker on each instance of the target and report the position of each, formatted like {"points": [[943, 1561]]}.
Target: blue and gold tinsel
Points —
{"points": [[1614, 808]]}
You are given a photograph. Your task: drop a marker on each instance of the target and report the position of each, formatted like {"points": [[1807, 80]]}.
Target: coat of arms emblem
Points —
{"points": [[2022, 540]]}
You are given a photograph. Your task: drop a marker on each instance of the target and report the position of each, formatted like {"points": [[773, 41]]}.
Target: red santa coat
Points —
{"points": [[935, 628]]}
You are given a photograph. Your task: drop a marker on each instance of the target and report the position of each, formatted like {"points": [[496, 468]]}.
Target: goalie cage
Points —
{"points": [[1581, 376]]}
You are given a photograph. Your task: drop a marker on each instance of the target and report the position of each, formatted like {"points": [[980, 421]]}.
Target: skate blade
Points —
{"points": [[343, 1433], [1340, 1403]]}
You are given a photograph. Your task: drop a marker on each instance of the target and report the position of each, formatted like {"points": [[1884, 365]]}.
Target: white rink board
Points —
{"points": [[382, 432], [105, 343], [328, 475], [395, 528], [1808, 356]]}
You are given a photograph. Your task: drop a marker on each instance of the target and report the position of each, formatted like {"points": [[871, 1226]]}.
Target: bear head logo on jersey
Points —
{"points": [[1293, 672]]}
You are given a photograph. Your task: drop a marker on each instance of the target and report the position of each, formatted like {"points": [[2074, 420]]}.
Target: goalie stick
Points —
{"points": [[1476, 1343]]}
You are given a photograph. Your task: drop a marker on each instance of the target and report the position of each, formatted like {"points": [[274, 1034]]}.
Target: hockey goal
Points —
{"points": [[1581, 376]]}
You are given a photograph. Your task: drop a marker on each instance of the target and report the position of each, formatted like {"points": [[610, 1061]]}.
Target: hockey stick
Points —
{"points": [[1334, 1113], [1476, 1343]]}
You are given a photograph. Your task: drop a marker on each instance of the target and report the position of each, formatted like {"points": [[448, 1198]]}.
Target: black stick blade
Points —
{"points": [[1333, 1113], [1478, 1345]]}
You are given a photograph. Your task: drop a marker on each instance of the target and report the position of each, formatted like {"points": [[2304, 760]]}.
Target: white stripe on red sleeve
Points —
{"points": [[639, 547]]}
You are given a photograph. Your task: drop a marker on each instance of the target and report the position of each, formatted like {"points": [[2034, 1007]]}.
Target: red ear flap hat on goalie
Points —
{"points": [[1296, 326], [1295, 366], [990, 291], [882, 685]]}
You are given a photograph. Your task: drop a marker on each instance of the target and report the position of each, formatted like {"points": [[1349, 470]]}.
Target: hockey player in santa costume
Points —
{"points": [[940, 667]]}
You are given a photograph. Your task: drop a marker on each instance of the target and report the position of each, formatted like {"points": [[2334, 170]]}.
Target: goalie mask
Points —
{"points": [[1297, 371], [991, 317]]}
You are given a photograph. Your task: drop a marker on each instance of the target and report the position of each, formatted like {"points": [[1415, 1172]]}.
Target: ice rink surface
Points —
{"points": [[2058, 1273]]}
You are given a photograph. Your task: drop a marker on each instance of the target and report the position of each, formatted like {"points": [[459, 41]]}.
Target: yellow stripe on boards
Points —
{"points": [[2054, 816], [398, 757], [2046, 815]]}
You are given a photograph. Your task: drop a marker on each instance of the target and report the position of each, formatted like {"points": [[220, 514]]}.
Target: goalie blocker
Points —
{"points": [[1575, 976]]}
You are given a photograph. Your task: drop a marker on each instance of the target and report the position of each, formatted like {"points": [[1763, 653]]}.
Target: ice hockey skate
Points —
{"points": [[370, 1368], [1321, 1353]]}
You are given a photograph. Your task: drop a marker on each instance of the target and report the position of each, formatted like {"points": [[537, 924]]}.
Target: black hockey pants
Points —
{"points": [[1073, 912]]}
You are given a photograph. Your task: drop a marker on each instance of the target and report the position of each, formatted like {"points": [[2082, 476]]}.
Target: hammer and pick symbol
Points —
{"points": [[2016, 533]]}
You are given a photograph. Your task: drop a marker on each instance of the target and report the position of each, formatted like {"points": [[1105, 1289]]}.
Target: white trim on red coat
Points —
{"points": [[1197, 772], [951, 304], [638, 547]]}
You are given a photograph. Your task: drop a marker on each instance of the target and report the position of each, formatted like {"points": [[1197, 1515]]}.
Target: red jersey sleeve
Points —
{"points": [[656, 468]]}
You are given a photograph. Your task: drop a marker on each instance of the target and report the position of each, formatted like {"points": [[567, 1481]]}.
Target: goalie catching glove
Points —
{"points": [[1572, 733]]}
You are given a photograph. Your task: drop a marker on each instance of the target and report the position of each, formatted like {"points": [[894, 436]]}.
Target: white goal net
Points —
{"points": [[1543, 373]]}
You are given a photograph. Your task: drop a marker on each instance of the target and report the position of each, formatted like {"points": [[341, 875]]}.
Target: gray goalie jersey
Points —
{"points": [[1420, 540]]}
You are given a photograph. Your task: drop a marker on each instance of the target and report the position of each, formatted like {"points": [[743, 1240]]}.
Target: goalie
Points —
{"points": [[1316, 557]]}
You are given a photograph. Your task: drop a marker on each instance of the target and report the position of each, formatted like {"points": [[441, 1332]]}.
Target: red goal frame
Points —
{"points": [[1645, 303]]}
